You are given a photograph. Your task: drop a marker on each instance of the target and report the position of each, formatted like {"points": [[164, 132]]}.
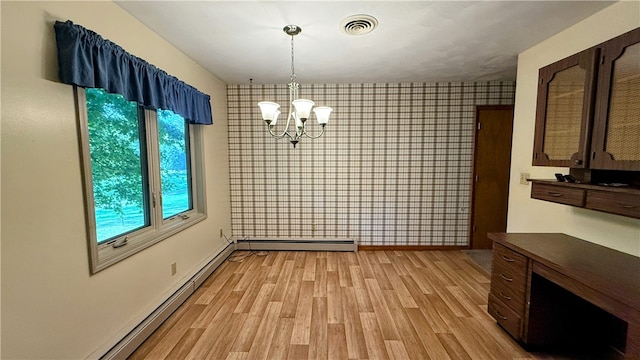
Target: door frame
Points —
{"points": [[472, 187]]}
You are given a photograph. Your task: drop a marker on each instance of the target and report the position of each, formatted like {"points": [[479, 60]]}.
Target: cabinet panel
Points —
{"points": [[558, 194], [512, 296], [615, 203], [507, 318], [564, 111], [616, 136]]}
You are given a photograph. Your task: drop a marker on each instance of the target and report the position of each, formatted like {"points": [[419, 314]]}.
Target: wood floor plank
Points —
{"points": [[450, 300], [337, 305], [282, 281], [202, 347], [336, 342], [344, 274], [172, 338], [334, 299], [226, 337], [396, 350], [374, 340], [157, 337], [292, 293], [406, 330], [274, 267], [360, 288], [382, 311], [302, 323], [247, 333], [398, 285], [356, 346], [262, 340], [184, 345], [453, 347], [318, 334], [280, 342], [309, 267], [297, 352], [378, 272], [252, 291], [332, 261], [218, 301], [320, 282], [427, 336], [215, 282], [365, 266], [237, 356]]}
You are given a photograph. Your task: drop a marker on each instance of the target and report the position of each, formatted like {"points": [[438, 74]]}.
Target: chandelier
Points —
{"points": [[301, 107]]}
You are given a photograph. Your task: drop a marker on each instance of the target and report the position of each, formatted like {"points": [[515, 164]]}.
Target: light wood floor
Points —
{"points": [[329, 305]]}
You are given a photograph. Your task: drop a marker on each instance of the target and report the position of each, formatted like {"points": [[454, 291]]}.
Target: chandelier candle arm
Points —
{"points": [[299, 109]]}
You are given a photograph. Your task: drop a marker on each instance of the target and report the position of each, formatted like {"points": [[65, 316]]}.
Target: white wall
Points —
{"points": [[526, 214], [51, 306]]}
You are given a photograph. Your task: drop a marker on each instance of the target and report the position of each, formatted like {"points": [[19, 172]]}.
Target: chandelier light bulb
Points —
{"points": [[268, 110], [275, 118], [303, 108], [322, 114]]}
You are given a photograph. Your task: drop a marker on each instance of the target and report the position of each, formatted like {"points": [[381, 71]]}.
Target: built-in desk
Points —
{"points": [[557, 289]]}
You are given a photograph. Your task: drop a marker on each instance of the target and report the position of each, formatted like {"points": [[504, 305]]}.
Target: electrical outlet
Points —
{"points": [[221, 232], [174, 268], [524, 177]]}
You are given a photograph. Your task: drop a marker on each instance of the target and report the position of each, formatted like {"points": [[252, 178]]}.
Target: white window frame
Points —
{"points": [[109, 253]]}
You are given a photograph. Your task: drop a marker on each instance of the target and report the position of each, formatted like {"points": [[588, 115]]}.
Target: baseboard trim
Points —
{"points": [[127, 345], [410, 248], [297, 244]]}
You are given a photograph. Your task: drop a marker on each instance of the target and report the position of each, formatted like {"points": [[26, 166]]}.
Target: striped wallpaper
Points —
{"points": [[393, 167]]}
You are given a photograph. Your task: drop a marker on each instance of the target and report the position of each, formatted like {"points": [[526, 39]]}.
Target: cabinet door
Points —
{"points": [[616, 136], [564, 111]]}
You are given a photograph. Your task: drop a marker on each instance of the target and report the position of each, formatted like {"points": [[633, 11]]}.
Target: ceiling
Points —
{"points": [[415, 41]]}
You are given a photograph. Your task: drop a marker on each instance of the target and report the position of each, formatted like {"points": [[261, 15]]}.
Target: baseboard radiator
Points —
{"points": [[125, 347], [297, 244]]}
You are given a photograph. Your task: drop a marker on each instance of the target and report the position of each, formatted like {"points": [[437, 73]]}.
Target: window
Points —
{"points": [[142, 172]]}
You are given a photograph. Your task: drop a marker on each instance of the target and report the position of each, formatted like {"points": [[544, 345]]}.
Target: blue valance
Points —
{"points": [[88, 60]]}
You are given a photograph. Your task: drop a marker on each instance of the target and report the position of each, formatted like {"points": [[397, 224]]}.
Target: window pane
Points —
{"points": [[118, 169], [173, 140]]}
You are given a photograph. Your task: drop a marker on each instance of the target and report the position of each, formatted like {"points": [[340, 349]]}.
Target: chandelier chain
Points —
{"points": [[293, 73]]}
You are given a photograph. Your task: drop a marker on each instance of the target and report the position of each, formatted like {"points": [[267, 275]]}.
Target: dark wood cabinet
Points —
{"points": [[557, 290], [616, 135], [588, 108], [588, 119], [623, 201], [508, 285], [565, 109]]}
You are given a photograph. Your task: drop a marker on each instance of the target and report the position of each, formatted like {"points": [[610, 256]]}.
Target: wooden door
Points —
{"points": [[491, 165]]}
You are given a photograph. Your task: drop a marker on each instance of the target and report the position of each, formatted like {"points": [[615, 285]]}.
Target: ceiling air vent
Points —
{"points": [[358, 24]]}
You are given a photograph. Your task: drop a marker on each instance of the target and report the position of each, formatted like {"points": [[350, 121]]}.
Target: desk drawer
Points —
{"points": [[558, 194], [615, 203], [509, 277], [512, 296], [507, 265], [507, 318]]}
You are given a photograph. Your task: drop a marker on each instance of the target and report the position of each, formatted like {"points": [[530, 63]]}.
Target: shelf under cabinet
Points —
{"points": [[623, 201]]}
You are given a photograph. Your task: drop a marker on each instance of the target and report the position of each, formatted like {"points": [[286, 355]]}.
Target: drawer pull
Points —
{"points": [[500, 315], [506, 277], [555, 194], [507, 259], [506, 297], [627, 206]]}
